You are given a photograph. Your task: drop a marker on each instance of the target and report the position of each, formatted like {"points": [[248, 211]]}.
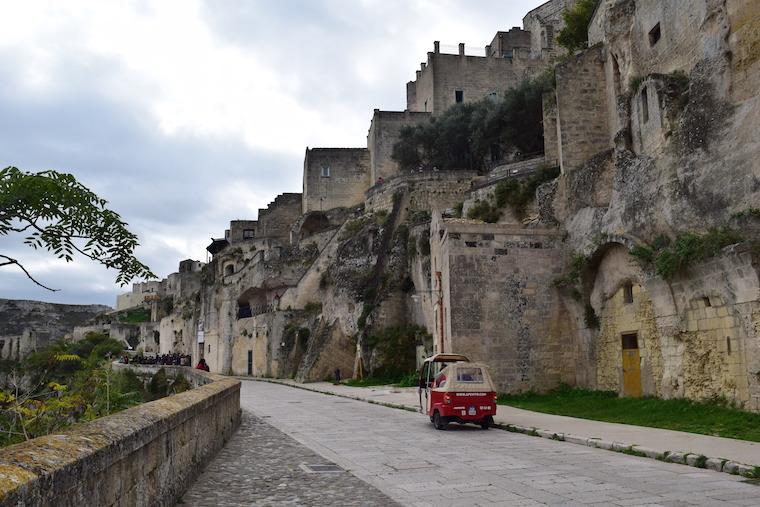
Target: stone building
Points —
{"points": [[445, 79], [334, 178], [495, 301], [544, 24], [384, 132], [654, 129]]}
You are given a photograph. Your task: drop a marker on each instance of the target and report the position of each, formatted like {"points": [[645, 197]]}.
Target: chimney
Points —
{"points": [[436, 46], [461, 49], [417, 73], [423, 65]]}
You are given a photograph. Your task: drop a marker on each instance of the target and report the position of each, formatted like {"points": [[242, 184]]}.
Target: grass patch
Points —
{"points": [[671, 257], [681, 415], [135, 316], [408, 380]]}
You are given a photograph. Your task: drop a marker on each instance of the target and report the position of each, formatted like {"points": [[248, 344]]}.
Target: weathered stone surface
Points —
{"points": [[145, 455]]}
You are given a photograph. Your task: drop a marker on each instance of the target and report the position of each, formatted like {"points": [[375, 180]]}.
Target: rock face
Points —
{"points": [[654, 129], [27, 325]]}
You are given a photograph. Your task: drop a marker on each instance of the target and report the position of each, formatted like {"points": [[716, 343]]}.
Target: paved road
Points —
{"points": [[260, 465], [401, 454]]}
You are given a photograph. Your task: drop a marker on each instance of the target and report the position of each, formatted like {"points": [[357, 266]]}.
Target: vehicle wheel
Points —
{"points": [[439, 422], [487, 422]]}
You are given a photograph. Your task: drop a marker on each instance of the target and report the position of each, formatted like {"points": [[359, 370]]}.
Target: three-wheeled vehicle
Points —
{"points": [[452, 389]]}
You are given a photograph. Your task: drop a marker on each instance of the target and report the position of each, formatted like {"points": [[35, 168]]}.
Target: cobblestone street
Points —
{"points": [[400, 453], [262, 466]]}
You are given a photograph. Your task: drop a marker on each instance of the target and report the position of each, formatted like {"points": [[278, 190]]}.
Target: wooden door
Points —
{"points": [[631, 366]]}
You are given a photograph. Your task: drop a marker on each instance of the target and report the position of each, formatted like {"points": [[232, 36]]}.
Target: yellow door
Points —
{"points": [[631, 366]]}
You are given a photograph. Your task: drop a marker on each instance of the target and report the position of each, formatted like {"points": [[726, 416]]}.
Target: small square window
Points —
{"points": [[706, 300], [325, 171], [248, 233], [630, 341], [459, 96], [654, 35]]}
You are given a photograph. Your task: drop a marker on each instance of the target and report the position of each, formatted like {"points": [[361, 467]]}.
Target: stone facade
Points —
{"points": [[334, 178], [427, 190], [145, 455], [384, 131], [497, 303], [582, 129], [447, 79], [544, 24]]}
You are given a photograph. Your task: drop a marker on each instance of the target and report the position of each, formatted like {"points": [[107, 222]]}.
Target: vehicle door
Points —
{"points": [[425, 384]]}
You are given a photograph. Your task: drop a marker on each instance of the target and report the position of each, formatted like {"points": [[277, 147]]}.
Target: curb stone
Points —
{"points": [[680, 458]]}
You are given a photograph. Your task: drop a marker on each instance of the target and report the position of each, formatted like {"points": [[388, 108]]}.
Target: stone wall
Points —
{"points": [[498, 302], [697, 335], [334, 178], [276, 220], [475, 76], [544, 24], [145, 455], [26, 326], [427, 190], [384, 131], [581, 108]]}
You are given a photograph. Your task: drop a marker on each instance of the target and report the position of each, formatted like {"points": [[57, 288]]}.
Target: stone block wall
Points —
{"points": [[145, 455], [581, 108], [499, 305], [427, 190], [544, 23], [276, 220], [697, 334], [334, 178], [384, 131], [475, 76]]}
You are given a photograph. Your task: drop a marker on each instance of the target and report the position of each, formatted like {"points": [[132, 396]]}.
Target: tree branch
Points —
{"points": [[28, 275]]}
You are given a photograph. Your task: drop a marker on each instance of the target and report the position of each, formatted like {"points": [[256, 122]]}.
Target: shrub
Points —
{"points": [[313, 307], [574, 35], [483, 210], [668, 258]]}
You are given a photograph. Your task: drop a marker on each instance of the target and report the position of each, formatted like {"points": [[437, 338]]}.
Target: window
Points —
{"points": [[325, 171], [549, 36], [487, 237], [227, 234], [249, 233], [459, 96], [654, 35], [474, 375], [630, 341], [250, 362], [728, 345], [628, 293], [706, 300], [229, 269], [645, 104], [471, 244]]}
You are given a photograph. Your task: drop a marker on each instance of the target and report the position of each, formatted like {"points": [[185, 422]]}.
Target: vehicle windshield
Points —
{"points": [[470, 374]]}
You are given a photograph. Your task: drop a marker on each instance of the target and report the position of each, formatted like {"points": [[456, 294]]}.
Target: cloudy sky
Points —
{"points": [[185, 114]]}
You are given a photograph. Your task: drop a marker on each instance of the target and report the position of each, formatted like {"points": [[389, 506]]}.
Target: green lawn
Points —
{"points": [[409, 380], [706, 418]]}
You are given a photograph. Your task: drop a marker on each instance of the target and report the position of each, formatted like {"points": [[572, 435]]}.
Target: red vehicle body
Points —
{"points": [[453, 389]]}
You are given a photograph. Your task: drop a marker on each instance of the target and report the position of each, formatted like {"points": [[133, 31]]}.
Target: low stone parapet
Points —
{"points": [[145, 455]]}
